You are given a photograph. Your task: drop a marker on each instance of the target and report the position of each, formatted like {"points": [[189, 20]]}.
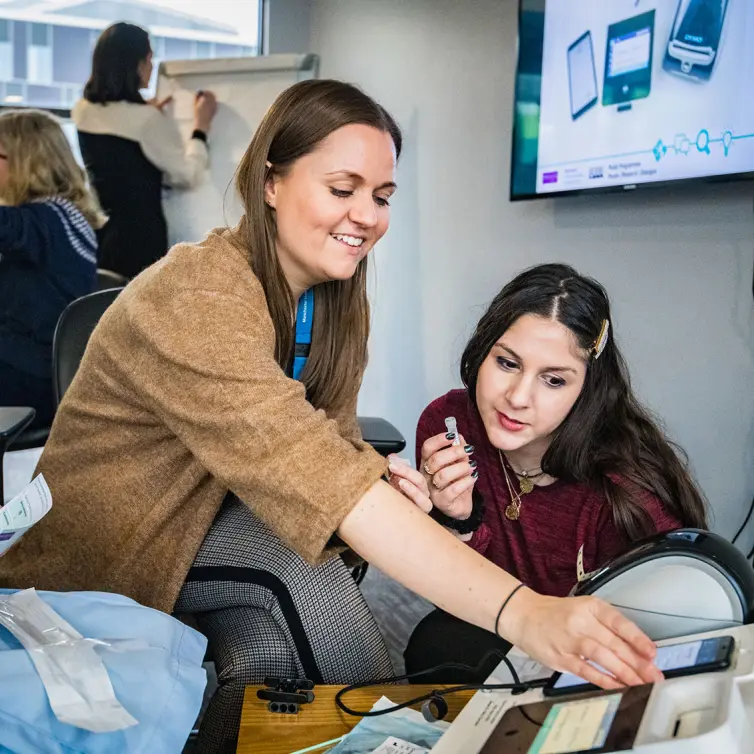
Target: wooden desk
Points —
{"points": [[264, 732]]}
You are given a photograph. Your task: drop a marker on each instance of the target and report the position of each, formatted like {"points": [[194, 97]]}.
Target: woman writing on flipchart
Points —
{"points": [[131, 148]]}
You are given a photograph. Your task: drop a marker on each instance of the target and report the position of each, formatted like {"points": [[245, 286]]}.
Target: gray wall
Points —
{"points": [[287, 26], [678, 264]]}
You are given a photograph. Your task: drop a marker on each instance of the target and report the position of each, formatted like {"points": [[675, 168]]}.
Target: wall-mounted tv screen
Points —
{"points": [[616, 94]]}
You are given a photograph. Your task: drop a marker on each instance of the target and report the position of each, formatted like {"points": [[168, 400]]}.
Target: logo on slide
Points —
{"points": [[597, 172], [551, 177]]}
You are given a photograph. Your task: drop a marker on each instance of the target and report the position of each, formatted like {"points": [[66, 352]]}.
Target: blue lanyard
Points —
{"points": [[304, 320]]}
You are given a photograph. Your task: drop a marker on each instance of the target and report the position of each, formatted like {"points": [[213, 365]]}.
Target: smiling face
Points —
{"points": [[527, 386], [332, 205]]}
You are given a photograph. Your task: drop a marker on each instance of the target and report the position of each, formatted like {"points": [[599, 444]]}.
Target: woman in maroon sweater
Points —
{"points": [[559, 468]]}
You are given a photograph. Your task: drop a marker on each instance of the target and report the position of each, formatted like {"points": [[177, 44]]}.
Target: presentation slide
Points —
{"points": [[634, 91]]}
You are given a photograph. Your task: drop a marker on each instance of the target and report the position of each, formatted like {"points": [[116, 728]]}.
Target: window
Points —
{"points": [[204, 50], [6, 46], [40, 57], [40, 35]]}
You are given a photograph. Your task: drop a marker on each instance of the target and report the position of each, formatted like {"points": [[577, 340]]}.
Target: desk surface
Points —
{"points": [[264, 732]]}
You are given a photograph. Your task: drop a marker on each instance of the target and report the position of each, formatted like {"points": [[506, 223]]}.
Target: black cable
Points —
{"points": [[517, 687], [751, 507], [743, 525], [537, 723]]}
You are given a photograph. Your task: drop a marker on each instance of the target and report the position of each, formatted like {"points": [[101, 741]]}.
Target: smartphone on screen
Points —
{"points": [[674, 660], [582, 77]]}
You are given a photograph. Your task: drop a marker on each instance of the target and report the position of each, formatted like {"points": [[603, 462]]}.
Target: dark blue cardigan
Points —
{"points": [[48, 258]]}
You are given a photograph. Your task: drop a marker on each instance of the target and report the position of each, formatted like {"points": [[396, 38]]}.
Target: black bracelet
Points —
{"points": [[465, 525], [199, 134], [503, 606]]}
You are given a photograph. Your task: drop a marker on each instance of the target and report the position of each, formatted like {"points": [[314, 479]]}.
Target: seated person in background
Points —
{"points": [[560, 468], [47, 251], [131, 147]]}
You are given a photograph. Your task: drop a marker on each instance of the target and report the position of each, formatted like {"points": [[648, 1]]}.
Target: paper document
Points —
{"points": [[18, 515]]}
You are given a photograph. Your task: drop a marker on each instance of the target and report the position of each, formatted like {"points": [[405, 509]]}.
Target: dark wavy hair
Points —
{"points": [[115, 64], [608, 433]]}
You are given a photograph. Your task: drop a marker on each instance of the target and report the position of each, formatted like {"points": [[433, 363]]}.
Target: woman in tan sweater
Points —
{"points": [[187, 397]]}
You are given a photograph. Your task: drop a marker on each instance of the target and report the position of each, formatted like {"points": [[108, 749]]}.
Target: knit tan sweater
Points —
{"points": [[178, 400]]}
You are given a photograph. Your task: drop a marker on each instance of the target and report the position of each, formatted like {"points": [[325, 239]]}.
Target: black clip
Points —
{"points": [[286, 694], [287, 709], [289, 684]]}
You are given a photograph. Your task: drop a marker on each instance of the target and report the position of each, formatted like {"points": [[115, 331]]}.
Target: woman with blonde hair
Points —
{"points": [[48, 251]]}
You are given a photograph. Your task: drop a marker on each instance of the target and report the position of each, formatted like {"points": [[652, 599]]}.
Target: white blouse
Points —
{"points": [[157, 134]]}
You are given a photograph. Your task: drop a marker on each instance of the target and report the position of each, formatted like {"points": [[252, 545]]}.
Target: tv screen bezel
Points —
{"points": [[742, 176]]}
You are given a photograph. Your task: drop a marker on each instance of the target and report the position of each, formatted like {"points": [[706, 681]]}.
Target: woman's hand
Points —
{"points": [[160, 104], [563, 633], [205, 107], [450, 475], [409, 482]]}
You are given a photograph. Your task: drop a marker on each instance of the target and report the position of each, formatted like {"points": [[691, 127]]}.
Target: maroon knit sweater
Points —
{"points": [[541, 548]]}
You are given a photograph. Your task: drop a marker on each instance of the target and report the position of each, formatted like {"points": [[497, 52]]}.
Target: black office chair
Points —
{"points": [[75, 326], [72, 332], [109, 279], [106, 280]]}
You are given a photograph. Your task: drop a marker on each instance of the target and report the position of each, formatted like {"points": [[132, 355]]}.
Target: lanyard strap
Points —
{"points": [[304, 320]]}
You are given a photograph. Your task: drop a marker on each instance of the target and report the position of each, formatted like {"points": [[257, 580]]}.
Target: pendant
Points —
{"points": [[511, 512], [526, 485]]}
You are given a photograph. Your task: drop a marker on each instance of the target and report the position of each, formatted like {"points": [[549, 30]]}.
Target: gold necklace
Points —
{"points": [[525, 480], [513, 509], [524, 477]]}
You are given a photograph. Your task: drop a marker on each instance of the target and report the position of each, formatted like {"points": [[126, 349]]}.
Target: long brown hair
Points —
{"points": [[608, 434], [299, 119], [41, 164]]}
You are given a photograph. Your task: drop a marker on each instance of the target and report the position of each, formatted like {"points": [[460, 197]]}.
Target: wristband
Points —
{"points": [[503, 606], [465, 525]]}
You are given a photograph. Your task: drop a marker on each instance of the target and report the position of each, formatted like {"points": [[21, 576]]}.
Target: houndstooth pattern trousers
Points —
{"points": [[267, 612]]}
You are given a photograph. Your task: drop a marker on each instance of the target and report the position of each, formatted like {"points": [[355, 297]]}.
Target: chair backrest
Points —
{"points": [[108, 279], [76, 324]]}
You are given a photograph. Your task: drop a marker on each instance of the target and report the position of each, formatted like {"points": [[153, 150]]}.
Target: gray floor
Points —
{"points": [[396, 609]]}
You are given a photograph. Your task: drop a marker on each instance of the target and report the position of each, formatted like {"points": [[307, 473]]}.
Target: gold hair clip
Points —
{"points": [[601, 342]]}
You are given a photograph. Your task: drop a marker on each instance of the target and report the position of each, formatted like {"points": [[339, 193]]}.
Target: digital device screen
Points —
{"points": [[598, 722], [671, 657], [582, 80], [629, 53], [663, 83]]}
